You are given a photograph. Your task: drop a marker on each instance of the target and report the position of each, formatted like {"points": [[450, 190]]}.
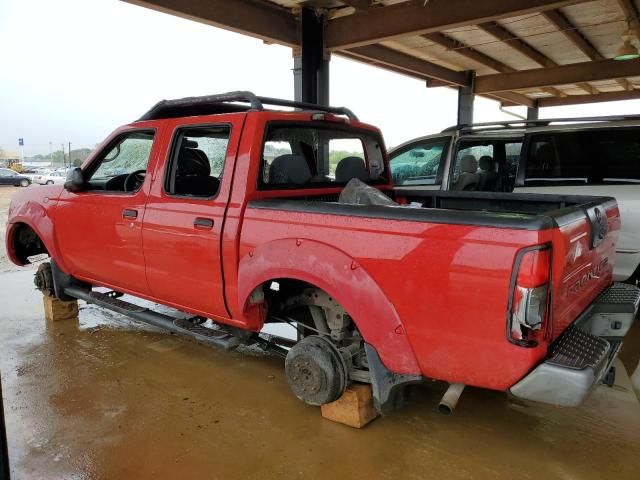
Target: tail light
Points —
{"points": [[529, 306]]}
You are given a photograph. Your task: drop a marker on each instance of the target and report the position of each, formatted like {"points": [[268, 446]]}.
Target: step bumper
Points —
{"points": [[580, 359]]}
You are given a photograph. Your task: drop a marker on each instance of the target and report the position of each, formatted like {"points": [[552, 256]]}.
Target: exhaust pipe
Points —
{"points": [[450, 398]]}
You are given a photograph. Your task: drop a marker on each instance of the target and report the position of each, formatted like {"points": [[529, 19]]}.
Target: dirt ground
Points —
{"points": [[108, 398]]}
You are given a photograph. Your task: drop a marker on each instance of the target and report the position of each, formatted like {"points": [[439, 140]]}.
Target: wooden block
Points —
{"points": [[354, 408], [56, 310]]}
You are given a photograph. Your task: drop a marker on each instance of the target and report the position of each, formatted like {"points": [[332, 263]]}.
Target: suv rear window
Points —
{"points": [[316, 155], [592, 157]]}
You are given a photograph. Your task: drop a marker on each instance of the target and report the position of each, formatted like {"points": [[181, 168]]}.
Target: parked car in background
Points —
{"points": [[590, 156], [463, 159], [235, 214], [10, 177], [50, 178]]}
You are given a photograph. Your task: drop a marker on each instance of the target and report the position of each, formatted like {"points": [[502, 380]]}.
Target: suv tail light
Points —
{"points": [[529, 305]]}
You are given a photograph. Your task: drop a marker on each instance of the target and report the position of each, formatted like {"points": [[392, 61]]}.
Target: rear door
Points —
{"points": [[184, 219]]}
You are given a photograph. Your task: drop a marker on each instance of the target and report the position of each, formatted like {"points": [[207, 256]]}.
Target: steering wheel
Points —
{"points": [[133, 181]]}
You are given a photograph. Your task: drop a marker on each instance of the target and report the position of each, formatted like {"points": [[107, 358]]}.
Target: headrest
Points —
{"points": [[468, 164], [193, 162], [351, 167], [289, 168], [487, 163]]}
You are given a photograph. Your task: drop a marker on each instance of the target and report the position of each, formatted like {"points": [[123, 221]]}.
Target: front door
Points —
{"points": [[185, 214], [99, 230]]}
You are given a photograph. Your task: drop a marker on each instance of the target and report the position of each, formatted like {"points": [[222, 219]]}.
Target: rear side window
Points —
{"points": [[593, 157], [419, 164], [197, 161], [315, 155], [617, 157]]}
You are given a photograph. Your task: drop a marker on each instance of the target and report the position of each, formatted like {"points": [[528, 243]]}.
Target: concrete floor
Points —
{"points": [[109, 398]]}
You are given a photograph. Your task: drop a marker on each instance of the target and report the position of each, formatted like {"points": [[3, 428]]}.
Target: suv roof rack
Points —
{"points": [[229, 102], [520, 124]]}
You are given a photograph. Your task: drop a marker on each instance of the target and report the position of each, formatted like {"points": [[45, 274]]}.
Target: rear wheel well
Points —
{"points": [[313, 311], [27, 243]]}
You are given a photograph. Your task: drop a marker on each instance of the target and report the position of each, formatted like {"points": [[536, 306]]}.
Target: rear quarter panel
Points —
{"points": [[449, 285]]}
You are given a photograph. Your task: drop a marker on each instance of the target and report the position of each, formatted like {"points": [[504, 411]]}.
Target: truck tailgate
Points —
{"points": [[583, 257]]}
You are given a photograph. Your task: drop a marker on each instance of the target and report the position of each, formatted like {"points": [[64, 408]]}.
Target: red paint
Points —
{"points": [[431, 298]]}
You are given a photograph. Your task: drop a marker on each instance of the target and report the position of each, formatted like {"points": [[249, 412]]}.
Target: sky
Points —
{"points": [[74, 70]]}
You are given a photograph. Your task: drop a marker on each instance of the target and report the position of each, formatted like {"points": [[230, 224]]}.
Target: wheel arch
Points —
{"points": [[33, 216], [341, 277]]}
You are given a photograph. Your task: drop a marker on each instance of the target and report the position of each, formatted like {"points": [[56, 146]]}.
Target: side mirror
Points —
{"points": [[75, 180]]}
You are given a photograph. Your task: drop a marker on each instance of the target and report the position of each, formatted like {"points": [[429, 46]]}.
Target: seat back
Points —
{"points": [[488, 175], [193, 174], [351, 167], [468, 178], [289, 168]]}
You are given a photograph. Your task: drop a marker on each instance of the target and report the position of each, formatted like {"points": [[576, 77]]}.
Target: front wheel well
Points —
{"points": [[27, 243]]}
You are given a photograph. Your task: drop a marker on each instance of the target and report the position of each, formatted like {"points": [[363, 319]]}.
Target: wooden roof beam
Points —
{"points": [[558, 20], [387, 57], [477, 56], [580, 99], [469, 52], [377, 55], [256, 19], [415, 17], [560, 75], [501, 33], [629, 9]]}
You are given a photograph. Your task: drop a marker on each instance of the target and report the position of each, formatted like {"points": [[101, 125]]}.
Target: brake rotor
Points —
{"points": [[316, 371], [43, 279]]}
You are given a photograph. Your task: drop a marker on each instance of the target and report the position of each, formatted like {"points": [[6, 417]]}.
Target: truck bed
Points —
{"points": [[524, 211]]}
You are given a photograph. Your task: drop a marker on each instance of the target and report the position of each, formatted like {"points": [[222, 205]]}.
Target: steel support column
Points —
{"points": [[465, 104], [533, 112], [311, 62]]}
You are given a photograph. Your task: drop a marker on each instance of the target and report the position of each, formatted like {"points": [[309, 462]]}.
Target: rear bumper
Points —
{"points": [[581, 357]]}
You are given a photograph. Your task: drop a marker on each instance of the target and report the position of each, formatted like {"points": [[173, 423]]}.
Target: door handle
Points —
{"points": [[203, 223], [129, 213]]}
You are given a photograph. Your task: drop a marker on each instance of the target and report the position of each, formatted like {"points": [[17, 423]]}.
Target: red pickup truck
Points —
{"points": [[241, 215]]}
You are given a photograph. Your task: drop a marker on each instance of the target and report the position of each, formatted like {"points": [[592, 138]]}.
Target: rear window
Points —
{"points": [[592, 157], [316, 155]]}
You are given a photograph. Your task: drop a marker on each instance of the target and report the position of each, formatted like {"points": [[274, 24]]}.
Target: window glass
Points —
{"points": [[467, 171], [197, 162], [512, 156], [557, 159], [122, 166], [6, 172], [129, 155], [616, 157], [340, 148], [419, 165], [317, 155]]}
